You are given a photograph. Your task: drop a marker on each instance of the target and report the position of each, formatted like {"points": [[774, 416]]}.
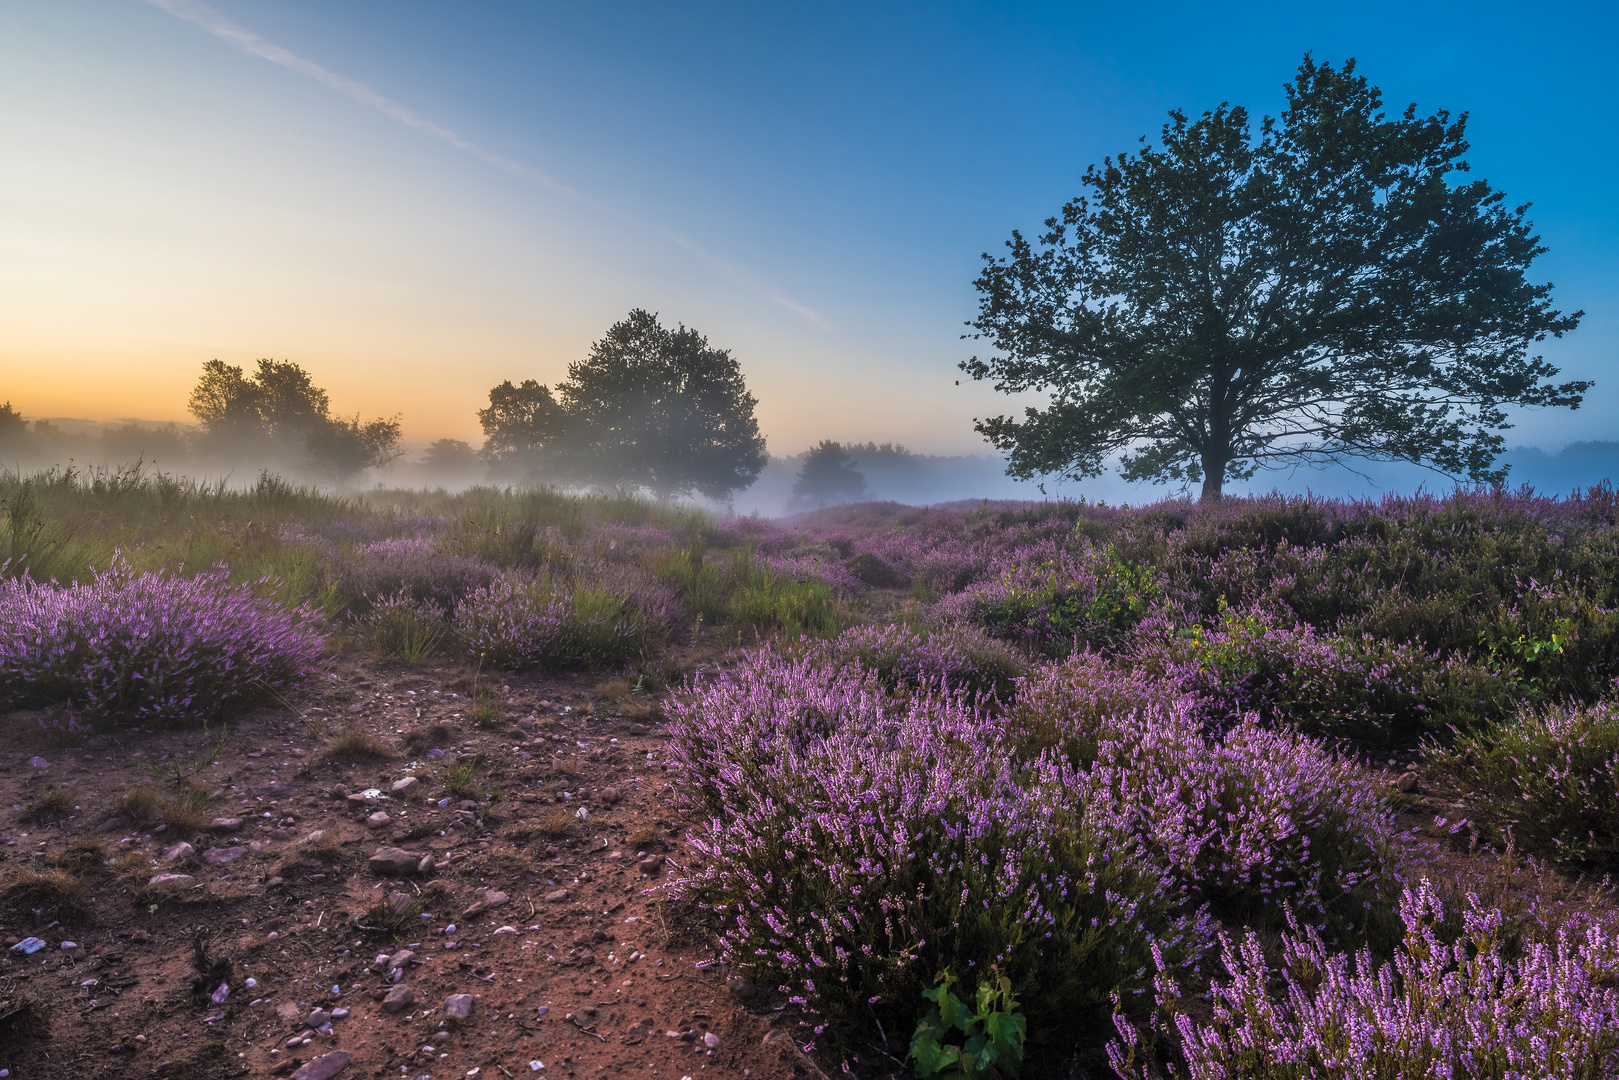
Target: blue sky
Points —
{"points": [[416, 200]]}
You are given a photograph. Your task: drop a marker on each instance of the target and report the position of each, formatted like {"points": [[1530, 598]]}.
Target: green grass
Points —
{"points": [[767, 601]]}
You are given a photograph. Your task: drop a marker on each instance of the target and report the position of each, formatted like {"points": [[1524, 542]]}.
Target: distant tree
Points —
{"points": [[342, 447], [13, 428], [1329, 289], [649, 407], [450, 457], [828, 477], [522, 426], [280, 408]]}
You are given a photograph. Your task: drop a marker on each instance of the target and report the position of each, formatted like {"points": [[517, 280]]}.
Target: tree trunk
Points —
{"points": [[1213, 480]]}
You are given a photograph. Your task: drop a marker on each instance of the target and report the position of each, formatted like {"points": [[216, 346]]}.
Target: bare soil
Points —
{"points": [[583, 966]]}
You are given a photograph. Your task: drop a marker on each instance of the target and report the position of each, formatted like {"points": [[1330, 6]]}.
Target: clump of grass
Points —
{"points": [[357, 745], [460, 780], [53, 804], [768, 601], [184, 812], [80, 856], [55, 889], [645, 838], [424, 736], [403, 630], [142, 805], [558, 823], [485, 712]]}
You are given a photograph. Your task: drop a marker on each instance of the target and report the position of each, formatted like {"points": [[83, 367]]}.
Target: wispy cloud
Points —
{"points": [[241, 38]]}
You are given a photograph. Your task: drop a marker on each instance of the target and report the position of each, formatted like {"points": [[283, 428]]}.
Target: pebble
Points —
{"points": [[39, 763], [405, 786], [182, 850], [1407, 783], [318, 1018], [399, 999], [219, 856], [711, 1040], [458, 1006], [378, 820], [225, 824], [651, 866], [556, 897], [171, 881]]}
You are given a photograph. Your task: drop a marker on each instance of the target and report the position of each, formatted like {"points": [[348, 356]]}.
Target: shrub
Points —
{"points": [[357, 745], [1550, 776], [413, 567], [957, 659], [149, 646], [1062, 602], [857, 845], [402, 630], [1437, 1009], [520, 622], [1252, 822]]}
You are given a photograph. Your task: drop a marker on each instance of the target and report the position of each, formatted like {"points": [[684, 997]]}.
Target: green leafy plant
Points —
{"points": [[459, 780], [983, 1042]]}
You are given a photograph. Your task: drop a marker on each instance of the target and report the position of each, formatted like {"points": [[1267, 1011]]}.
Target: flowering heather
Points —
{"points": [[1253, 822], [1468, 1009], [548, 622], [858, 844], [414, 566], [815, 566], [150, 646], [957, 660], [1550, 777]]}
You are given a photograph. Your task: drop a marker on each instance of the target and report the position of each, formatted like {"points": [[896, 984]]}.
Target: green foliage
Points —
{"points": [[767, 601], [699, 584], [974, 1044], [403, 632], [461, 780], [1232, 299], [828, 476]]}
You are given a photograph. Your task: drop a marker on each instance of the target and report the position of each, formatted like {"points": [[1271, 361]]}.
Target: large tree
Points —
{"points": [[829, 476], [1329, 287], [649, 407]]}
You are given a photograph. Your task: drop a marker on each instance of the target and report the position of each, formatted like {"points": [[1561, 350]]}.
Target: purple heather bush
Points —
{"points": [[1253, 822], [555, 622], [150, 646], [1549, 777], [961, 660], [414, 566], [857, 844], [1438, 1009]]}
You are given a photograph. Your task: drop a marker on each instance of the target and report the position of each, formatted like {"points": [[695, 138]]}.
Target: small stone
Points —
{"points": [[171, 882], [357, 801], [225, 824], [219, 856], [406, 786], [339, 1014], [434, 754], [611, 796], [399, 999], [495, 898], [1407, 783], [39, 763], [318, 1018], [458, 1006], [426, 866], [182, 850], [651, 866], [399, 959], [711, 1040], [324, 1067], [556, 897], [315, 837], [393, 862], [110, 824], [378, 820]]}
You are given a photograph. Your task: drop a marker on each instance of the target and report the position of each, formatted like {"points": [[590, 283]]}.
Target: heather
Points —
{"points": [[1439, 1007], [150, 646], [1549, 778]]}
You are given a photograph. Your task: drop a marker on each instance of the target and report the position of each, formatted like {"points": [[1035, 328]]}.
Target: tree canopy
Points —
{"points": [[649, 407], [1329, 287], [828, 477], [279, 410]]}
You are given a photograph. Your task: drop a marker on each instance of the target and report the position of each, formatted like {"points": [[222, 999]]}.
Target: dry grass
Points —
{"points": [[55, 803], [142, 805], [146, 806], [646, 838], [357, 745], [558, 823], [425, 736], [53, 888], [79, 857], [520, 831]]}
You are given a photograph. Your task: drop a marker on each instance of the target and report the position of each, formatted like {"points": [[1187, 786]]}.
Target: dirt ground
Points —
{"points": [[542, 905]]}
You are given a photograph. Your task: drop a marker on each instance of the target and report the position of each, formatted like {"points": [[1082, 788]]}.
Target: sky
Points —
{"points": [[417, 200]]}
